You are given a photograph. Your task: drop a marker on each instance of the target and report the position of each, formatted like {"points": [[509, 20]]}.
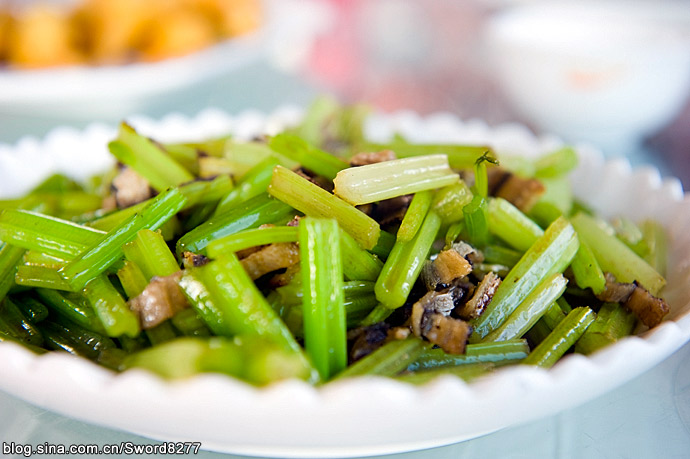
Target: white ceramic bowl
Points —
{"points": [[357, 417], [610, 72]]}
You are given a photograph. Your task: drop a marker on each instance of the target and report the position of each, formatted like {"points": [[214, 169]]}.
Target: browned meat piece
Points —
{"points": [[130, 188], [430, 320], [193, 260], [365, 158], [294, 221], [285, 278], [649, 309], [482, 297], [367, 339], [449, 265], [615, 292], [159, 301], [468, 252], [523, 193], [270, 258]]}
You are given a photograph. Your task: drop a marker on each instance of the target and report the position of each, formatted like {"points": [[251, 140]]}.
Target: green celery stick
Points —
{"points": [[247, 155], [512, 226], [404, 264], [33, 309], [566, 333], [628, 232], [161, 333], [477, 220], [87, 343], [376, 315], [459, 156], [550, 254], [586, 269], [388, 179], [148, 159], [319, 112], [10, 257], [656, 240], [544, 213], [310, 157], [612, 323], [40, 276], [322, 307], [414, 216], [557, 163], [358, 264], [110, 307], [151, 254], [496, 254], [251, 238], [453, 233], [313, 201], [253, 183], [532, 308], [13, 322], [132, 279], [71, 306], [615, 257], [509, 351], [98, 257], [465, 372], [189, 323], [481, 179], [384, 245], [388, 360], [449, 202], [257, 211], [51, 235]]}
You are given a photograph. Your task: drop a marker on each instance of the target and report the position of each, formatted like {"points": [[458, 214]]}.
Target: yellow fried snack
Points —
{"points": [[177, 32], [238, 17]]}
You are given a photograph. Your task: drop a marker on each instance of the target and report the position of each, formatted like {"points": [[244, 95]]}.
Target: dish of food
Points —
{"points": [[349, 416]]}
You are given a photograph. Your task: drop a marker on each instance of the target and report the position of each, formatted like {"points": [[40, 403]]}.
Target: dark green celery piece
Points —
{"points": [[450, 200], [557, 163], [161, 333], [509, 351], [253, 213], [453, 233], [248, 358], [612, 323], [98, 257], [253, 183], [550, 254], [388, 360], [42, 233], [477, 220], [657, 241], [496, 254], [188, 322], [512, 226], [65, 335], [566, 333], [532, 308], [9, 338], [33, 309], [72, 306], [325, 339], [586, 269], [14, 323], [110, 307], [151, 254], [466, 372], [358, 264], [481, 179], [314, 201], [251, 238], [308, 156], [615, 257], [376, 315], [404, 264], [148, 159], [414, 216], [384, 245], [10, 257], [40, 276], [459, 156], [198, 192]]}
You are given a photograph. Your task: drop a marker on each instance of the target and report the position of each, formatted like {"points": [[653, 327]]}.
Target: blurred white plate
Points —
{"points": [[357, 417]]}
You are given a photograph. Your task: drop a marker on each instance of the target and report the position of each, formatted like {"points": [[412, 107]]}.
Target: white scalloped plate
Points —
{"points": [[358, 417]]}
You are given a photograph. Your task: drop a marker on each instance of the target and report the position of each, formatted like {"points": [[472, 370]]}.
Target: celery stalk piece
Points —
{"points": [[566, 333], [532, 308], [376, 315], [414, 216], [252, 184], [33, 309], [198, 192], [550, 254], [323, 311], [404, 264], [251, 238], [358, 264], [612, 323], [449, 202], [481, 179], [257, 211], [10, 257], [132, 279], [67, 336], [496, 254], [151, 254], [544, 213], [71, 306], [42, 233], [388, 360], [509, 351], [98, 257], [465, 372], [110, 307], [459, 156], [384, 245], [388, 179], [586, 269], [147, 159], [313, 201], [655, 237], [15, 323], [615, 257], [319, 112], [40, 276], [189, 323], [512, 226], [161, 333], [245, 156], [477, 220], [556, 163], [308, 156]]}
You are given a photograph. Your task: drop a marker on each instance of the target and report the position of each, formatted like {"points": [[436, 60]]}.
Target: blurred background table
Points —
{"points": [[426, 66]]}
